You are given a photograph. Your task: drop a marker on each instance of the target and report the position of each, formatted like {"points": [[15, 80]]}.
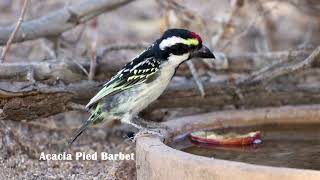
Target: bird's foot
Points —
{"points": [[147, 132]]}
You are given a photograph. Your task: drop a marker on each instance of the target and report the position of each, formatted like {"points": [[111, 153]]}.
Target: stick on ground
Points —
{"points": [[14, 32]]}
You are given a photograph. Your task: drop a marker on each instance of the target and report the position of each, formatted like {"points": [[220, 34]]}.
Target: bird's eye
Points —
{"points": [[195, 47], [175, 50], [178, 49]]}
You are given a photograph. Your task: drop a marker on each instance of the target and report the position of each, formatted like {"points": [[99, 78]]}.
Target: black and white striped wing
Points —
{"points": [[134, 73]]}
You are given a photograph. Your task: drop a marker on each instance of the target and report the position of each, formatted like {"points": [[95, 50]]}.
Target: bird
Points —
{"points": [[142, 80]]}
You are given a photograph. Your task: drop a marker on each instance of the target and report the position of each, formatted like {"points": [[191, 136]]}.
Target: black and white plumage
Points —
{"points": [[143, 80]]}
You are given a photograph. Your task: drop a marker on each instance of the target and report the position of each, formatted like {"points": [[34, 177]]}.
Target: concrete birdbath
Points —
{"points": [[156, 160]]}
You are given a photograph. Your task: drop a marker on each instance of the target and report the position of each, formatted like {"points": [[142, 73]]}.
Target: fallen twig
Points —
{"points": [[196, 78], [267, 75], [93, 58], [80, 66], [102, 52], [45, 47], [248, 28], [14, 32], [93, 65], [33, 102], [73, 70], [61, 20], [235, 5]]}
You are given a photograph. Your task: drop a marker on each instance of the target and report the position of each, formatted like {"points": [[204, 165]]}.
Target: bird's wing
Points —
{"points": [[133, 73]]}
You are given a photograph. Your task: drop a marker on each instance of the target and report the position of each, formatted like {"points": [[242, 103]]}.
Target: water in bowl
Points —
{"points": [[294, 146]]}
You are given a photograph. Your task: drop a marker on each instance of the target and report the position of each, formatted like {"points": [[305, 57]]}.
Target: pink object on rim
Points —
{"points": [[230, 139]]}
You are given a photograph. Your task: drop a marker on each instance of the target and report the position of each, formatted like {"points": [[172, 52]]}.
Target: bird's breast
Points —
{"points": [[146, 93]]}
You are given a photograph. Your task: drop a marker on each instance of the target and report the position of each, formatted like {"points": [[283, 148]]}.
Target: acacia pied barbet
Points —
{"points": [[144, 79]]}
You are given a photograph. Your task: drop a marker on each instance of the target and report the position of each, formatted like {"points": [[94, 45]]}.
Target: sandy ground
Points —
{"points": [[22, 144]]}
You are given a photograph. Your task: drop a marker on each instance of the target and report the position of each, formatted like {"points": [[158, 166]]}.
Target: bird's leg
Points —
{"points": [[136, 125], [148, 128], [147, 132], [142, 130], [148, 124]]}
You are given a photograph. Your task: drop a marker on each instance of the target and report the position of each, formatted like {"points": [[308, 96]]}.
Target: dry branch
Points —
{"points": [[235, 5], [196, 78], [252, 23], [14, 32], [60, 21], [269, 73], [41, 100], [247, 62], [73, 71], [117, 47]]}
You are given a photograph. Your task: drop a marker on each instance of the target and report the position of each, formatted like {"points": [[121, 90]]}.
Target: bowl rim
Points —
{"points": [[160, 159]]}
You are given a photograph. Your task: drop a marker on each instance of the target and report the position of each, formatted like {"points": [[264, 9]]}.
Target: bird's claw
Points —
{"points": [[147, 132]]}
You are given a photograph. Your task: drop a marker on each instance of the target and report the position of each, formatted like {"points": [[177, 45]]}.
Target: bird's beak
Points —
{"points": [[203, 52]]}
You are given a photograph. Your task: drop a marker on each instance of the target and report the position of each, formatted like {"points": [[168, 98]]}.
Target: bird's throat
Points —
{"points": [[176, 60]]}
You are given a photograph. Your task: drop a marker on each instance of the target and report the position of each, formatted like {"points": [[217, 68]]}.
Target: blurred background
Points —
{"points": [[255, 41]]}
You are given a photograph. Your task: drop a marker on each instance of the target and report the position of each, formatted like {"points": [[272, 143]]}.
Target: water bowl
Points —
{"points": [[289, 148]]}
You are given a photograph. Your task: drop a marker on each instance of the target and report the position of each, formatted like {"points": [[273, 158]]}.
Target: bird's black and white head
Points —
{"points": [[179, 45]]}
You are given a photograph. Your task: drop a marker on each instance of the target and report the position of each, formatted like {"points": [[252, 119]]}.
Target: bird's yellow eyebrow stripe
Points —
{"points": [[191, 41]]}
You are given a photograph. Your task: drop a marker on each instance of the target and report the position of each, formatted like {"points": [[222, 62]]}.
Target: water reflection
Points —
{"points": [[295, 146]]}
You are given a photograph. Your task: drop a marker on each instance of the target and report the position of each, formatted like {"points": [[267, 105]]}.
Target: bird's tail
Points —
{"points": [[79, 131], [92, 119]]}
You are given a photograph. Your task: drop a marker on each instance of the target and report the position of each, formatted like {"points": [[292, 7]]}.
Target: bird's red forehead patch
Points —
{"points": [[195, 35]]}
